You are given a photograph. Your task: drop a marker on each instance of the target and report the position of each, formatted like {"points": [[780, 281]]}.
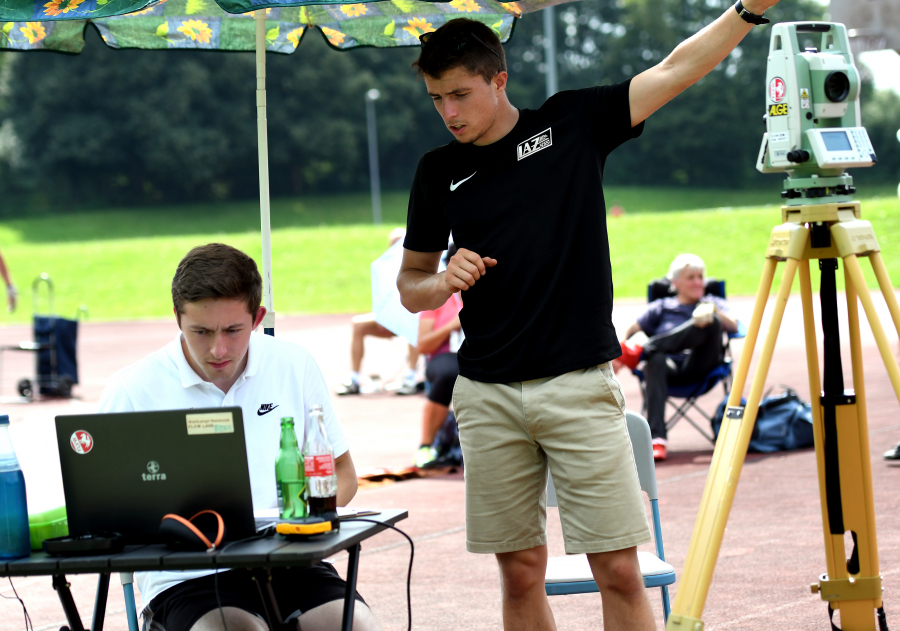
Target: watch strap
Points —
{"points": [[746, 16]]}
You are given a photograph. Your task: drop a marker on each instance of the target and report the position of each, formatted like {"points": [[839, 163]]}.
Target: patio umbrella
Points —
{"points": [[58, 25]]}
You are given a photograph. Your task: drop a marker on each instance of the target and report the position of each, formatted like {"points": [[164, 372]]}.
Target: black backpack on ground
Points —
{"points": [[446, 444], [784, 422]]}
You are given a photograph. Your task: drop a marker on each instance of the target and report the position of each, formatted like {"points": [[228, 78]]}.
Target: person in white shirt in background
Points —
{"points": [[364, 325], [217, 360]]}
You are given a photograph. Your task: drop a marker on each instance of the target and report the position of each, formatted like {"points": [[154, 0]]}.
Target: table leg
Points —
{"points": [[271, 594], [61, 585], [100, 603], [127, 579], [350, 596], [273, 615]]}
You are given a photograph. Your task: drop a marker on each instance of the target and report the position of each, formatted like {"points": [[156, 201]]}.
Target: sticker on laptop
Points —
{"points": [[210, 423], [81, 442]]}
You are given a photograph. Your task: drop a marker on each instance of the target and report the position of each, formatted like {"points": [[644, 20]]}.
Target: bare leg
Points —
{"points": [[364, 325], [328, 617], [525, 604], [236, 619], [433, 415], [413, 358], [625, 604]]}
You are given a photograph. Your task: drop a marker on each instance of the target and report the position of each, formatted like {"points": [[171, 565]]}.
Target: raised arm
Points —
{"points": [[691, 60]]}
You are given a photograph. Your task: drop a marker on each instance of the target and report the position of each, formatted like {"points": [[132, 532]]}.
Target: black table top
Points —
{"points": [[274, 551]]}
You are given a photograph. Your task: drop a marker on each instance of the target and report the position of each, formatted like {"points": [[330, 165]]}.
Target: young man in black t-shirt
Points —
{"points": [[521, 192]]}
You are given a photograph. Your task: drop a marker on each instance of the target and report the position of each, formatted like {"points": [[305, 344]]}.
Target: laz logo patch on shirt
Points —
{"points": [[535, 144]]}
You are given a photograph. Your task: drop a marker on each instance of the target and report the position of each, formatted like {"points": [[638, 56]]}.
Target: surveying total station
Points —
{"points": [[813, 134]]}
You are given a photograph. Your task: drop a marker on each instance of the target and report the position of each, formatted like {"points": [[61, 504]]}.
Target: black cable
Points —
{"points": [[263, 533], [412, 552], [28, 623]]}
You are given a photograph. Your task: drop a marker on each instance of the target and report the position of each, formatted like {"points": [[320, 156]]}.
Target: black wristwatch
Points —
{"points": [[746, 16]]}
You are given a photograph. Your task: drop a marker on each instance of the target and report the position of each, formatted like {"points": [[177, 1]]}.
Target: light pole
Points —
{"points": [[372, 96], [550, 52]]}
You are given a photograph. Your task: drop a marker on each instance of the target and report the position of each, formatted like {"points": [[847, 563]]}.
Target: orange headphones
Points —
{"points": [[179, 532]]}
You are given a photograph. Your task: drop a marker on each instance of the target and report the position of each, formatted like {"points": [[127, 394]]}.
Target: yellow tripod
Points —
{"points": [[852, 583]]}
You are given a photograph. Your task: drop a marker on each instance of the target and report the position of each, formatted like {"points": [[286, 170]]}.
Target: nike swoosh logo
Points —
{"points": [[263, 411], [453, 186]]}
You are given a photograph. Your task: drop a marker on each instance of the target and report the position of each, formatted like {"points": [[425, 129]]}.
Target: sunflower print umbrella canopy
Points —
{"points": [[59, 25]]}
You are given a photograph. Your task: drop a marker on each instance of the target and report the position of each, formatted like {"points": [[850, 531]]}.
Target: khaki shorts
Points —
{"points": [[573, 423]]}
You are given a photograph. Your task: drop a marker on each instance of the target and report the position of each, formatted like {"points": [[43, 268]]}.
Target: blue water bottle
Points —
{"points": [[15, 541]]}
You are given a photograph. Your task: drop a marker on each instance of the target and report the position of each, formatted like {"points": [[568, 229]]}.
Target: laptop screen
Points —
{"points": [[122, 472]]}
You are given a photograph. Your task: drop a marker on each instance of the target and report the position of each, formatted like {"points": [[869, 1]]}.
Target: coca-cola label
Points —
{"points": [[81, 442], [318, 466]]}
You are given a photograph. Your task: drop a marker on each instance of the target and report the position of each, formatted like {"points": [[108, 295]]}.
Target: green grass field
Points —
{"points": [[120, 262]]}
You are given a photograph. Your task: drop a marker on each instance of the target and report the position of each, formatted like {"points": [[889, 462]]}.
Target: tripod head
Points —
{"points": [[814, 131]]}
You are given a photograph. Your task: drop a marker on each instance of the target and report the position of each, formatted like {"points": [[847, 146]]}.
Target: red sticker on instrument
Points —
{"points": [[777, 89], [317, 466], [81, 442]]}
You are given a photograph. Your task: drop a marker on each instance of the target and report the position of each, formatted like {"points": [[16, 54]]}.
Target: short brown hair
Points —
{"points": [[461, 43], [216, 270]]}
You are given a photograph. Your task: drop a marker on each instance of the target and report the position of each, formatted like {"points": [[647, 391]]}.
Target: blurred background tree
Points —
{"points": [[135, 127]]}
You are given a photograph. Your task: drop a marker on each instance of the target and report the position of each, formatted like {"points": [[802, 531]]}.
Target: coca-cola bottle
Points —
{"points": [[318, 461]]}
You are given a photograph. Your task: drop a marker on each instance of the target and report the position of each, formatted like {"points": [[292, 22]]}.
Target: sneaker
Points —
{"points": [[351, 387], [893, 453], [424, 456], [703, 314], [408, 388], [631, 355], [659, 450]]}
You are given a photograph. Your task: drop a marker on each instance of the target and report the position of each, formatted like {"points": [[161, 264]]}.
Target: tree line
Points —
{"points": [[138, 127]]}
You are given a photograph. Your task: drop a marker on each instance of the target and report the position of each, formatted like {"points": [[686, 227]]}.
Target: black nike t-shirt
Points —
{"points": [[534, 201]]}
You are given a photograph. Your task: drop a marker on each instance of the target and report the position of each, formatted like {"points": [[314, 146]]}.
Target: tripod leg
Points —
{"points": [[884, 282], [852, 584], [740, 375], [734, 398], [859, 386], [854, 270], [815, 391], [759, 308], [728, 459]]}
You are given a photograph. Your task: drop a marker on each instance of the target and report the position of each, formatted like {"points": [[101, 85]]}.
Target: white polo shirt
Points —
{"points": [[280, 379]]}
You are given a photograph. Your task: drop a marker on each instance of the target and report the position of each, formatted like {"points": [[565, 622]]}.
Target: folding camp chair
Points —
{"points": [[572, 574], [662, 288]]}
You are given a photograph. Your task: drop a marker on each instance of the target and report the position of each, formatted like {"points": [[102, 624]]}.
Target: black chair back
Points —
{"points": [[662, 288]]}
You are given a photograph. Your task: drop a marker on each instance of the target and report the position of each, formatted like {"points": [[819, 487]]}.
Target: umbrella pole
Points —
{"points": [[262, 134]]}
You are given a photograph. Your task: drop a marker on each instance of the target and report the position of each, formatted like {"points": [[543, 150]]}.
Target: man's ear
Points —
{"points": [[500, 80], [177, 316], [260, 314]]}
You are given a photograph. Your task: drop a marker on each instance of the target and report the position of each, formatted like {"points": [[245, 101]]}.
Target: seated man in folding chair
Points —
{"points": [[685, 340]]}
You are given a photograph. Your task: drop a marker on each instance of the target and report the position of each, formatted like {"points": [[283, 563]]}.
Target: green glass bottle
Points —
{"points": [[290, 477]]}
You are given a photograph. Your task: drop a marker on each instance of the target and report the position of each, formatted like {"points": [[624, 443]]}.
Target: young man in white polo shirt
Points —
{"points": [[216, 360]]}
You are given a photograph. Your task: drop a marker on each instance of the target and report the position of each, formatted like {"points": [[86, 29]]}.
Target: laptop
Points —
{"points": [[122, 472]]}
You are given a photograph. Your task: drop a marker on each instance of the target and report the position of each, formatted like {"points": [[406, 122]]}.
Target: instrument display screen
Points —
{"points": [[836, 141]]}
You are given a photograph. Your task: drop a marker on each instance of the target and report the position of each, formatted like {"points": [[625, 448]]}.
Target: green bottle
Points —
{"points": [[289, 475]]}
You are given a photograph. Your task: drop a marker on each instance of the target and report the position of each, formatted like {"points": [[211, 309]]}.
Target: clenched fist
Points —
{"points": [[464, 268]]}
